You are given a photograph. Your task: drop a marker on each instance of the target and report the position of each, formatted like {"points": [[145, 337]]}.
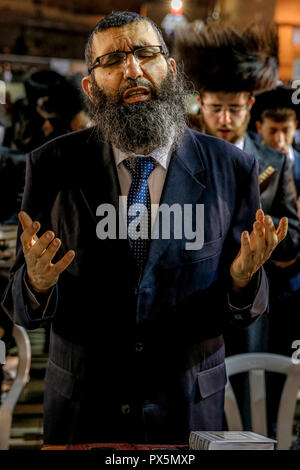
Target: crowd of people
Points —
{"points": [[137, 105]]}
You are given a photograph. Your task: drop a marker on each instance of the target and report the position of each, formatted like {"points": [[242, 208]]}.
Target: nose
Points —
{"points": [[225, 117], [279, 139], [132, 68]]}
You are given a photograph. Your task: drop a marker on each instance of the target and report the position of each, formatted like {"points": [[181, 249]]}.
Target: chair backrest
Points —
{"points": [[6, 409], [256, 364]]}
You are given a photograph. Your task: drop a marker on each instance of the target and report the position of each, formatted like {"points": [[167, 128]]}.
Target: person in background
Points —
{"points": [[51, 108], [277, 118], [227, 67]]}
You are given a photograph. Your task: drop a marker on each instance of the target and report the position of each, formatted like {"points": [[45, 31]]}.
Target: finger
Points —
{"points": [[271, 235], [257, 232], [245, 245], [260, 215], [28, 236], [24, 219], [62, 264], [282, 228], [49, 253], [40, 246], [258, 242]]}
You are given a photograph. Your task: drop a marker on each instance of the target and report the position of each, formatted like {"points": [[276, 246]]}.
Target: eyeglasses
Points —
{"points": [[116, 58], [234, 110]]}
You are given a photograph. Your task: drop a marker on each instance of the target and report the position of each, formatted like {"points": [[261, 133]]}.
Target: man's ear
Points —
{"points": [[251, 102], [258, 126], [173, 65], [198, 98], [87, 86]]}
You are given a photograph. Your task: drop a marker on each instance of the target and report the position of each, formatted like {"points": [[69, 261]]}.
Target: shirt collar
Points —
{"points": [[161, 154], [240, 143], [291, 155]]}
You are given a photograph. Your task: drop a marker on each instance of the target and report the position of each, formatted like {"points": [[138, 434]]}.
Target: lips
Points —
{"points": [[133, 95], [224, 131]]}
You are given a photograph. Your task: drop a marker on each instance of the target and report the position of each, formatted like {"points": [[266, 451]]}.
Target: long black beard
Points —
{"points": [[143, 126]]}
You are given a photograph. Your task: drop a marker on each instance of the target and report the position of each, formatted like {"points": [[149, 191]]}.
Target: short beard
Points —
{"points": [[238, 133], [141, 127]]}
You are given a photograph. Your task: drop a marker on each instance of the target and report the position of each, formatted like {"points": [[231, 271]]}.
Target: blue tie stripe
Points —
{"points": [[138, 200]]}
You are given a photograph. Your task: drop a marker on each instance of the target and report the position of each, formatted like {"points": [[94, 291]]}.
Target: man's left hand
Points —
{"points": [[256, 248]]}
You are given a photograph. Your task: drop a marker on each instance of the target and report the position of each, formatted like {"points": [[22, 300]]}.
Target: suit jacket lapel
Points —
{"points": [[251, 149], [99, 183], [183, 185], [99, 180]]}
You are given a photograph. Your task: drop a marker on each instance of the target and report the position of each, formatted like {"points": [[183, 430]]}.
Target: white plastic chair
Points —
{"points": [[6, 409], [256, 364]]}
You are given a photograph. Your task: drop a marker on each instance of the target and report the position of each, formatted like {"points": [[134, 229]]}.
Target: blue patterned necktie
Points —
{"points": [[139, 234]]}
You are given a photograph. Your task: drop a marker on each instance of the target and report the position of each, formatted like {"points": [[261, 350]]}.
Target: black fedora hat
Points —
{"points": [[280, 97]]}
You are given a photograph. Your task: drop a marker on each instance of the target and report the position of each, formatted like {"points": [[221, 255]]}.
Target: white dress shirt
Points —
{"points": [[291, 155], [240, 143], [156, 180]]}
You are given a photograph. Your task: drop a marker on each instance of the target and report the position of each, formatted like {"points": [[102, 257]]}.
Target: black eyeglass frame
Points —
{"points": [[97, 60]]}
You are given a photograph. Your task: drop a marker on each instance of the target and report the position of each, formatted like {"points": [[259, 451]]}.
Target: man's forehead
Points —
{"points": [[133, 34], [226, 98], [279, 124]]}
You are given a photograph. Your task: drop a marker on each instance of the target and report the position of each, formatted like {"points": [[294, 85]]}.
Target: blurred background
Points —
{"points": [[52, 33]]}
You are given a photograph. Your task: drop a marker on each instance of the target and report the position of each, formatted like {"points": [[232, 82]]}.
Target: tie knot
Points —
{"points": [[140, 167]]}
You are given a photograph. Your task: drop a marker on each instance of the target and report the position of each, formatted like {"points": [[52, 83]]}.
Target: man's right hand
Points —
{"points": [[39, 252]]}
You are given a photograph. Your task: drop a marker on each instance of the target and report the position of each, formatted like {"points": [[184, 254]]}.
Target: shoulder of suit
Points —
{"points": [[296, 153], [220, 150], [265, 150], [67, 146]]}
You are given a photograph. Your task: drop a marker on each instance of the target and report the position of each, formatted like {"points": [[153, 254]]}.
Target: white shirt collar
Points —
{"points": [[161, 154], [291, 155], [240, 143]]}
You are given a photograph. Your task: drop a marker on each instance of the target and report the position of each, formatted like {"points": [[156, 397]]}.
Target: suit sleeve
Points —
{"points": [[16, 302]]}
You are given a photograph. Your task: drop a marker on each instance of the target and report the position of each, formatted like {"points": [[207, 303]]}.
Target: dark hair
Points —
{"points": [[117, 20], [279, 114]]}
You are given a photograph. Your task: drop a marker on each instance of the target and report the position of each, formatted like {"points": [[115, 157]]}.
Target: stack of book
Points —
{"points": [[8, 239], [230, 440]]}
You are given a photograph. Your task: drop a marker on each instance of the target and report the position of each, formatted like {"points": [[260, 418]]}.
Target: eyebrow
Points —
{"points": [[231, 105], [276, 128]]}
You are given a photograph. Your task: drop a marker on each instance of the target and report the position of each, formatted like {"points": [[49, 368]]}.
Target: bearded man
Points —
{"points": [[136, 348], [228, 68]]}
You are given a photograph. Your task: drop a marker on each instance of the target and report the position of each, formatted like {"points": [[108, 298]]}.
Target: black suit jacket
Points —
{"points": [[137, 359], [279, 199]]}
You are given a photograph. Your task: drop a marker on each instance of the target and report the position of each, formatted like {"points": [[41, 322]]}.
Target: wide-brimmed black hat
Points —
{"points": [[280, 97], [63, 97], [222, 58]]}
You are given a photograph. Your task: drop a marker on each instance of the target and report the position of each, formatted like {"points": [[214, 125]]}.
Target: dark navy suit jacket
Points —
{"points": [[297, 170], [279, 199], [137, 359]]}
